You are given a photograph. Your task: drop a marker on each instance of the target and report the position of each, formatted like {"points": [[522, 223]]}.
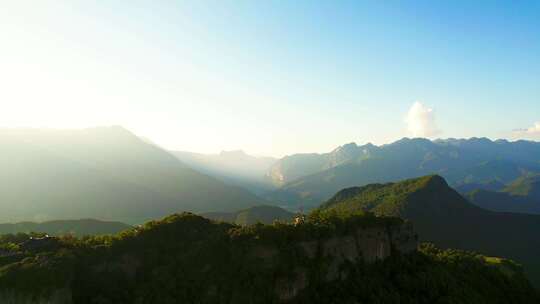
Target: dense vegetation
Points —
{"points": [[62, 227], [444, 217], [431, 275], [189, 259]]}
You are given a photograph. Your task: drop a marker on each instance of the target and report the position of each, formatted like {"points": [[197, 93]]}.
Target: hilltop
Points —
{"points": [[442, 216]]}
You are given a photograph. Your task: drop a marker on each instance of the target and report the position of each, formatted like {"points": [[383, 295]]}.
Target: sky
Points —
{"points": [[273, 77]]}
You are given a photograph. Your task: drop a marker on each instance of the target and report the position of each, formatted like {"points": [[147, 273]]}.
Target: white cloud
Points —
{"points": [[530, 133], [421, 121], [534, 129]]}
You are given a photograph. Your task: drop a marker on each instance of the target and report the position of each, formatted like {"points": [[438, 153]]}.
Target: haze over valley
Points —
{"points": [[253, 152]]}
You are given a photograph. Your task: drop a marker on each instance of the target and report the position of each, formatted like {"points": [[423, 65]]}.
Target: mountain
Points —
{"points": [[185, 258], [442, 216], [103, 173], [252, 215], [295, 166], [522, 196], [66, 227], [232, 167], [311, 179]]}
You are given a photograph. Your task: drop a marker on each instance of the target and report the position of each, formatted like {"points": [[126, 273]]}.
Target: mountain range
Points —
{"points": [[309, 179], [104, 173]]}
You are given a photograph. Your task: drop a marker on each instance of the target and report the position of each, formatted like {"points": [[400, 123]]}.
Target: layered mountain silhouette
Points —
{"points": [[232, 167], [253, 215], [103, 173], [309, 179], [80, 227], [441, 215], [523, 196]]}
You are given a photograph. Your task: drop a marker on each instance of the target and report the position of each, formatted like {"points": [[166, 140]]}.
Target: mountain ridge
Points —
{"points": [[461, 162], [98, 173]]}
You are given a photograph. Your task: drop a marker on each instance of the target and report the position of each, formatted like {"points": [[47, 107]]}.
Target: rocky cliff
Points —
{"points": [[224, 263], [364, 245]]}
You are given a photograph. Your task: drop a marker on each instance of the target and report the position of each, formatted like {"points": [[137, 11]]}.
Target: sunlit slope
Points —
{"points": [[105, 173]]}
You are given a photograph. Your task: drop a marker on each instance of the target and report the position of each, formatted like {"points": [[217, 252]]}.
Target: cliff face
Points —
{"points": [[324, 259], [365, 244]]}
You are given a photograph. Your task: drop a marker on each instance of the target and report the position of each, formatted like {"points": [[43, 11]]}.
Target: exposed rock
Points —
{"points": [[288, 288], [310, 248], [265, 253], [366, 244]]}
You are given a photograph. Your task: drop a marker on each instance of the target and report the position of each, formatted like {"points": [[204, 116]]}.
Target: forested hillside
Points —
{"points": [[188, 259], [444, 217]]}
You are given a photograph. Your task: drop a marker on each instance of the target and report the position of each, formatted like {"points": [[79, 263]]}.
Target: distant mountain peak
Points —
{"points": [[350, 145], [414, 140]]}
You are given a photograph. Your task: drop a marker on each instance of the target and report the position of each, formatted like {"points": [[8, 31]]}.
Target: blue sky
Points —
{"points": [[273, 77]]}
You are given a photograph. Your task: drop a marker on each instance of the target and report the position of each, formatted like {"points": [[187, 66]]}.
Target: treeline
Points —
{"points": [[188, 259]]}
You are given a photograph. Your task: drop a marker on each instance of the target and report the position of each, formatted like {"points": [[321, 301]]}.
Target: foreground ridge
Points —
{"points": [[317, 260]]}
